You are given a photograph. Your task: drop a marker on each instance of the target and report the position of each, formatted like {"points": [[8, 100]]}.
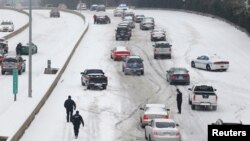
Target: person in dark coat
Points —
{"points": [[94, 19], [108, 19], [18, 48], [77, 121], [70, 105], [179, 100]]}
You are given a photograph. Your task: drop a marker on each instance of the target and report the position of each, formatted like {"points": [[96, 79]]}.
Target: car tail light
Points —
{"points": [[145, 117], [173, 76], [165, 116], [154, 49], [186, 75], [170, 49], [194, 98], [155, 132], [216, 97], [178, 133]]}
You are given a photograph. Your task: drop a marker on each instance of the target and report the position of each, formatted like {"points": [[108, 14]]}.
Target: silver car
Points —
{"points": [[133, 65], [177, 75], [162, 49], [162, 130]]}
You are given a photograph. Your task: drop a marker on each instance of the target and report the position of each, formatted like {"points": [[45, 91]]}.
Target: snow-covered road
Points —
{"points": [[18, 19], [112, 114], [55, 38]]}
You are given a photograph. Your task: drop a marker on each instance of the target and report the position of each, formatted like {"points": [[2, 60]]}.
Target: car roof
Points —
{"points": [[156, 110], [134, 56], [161, 42], [121, 48], [155, 105], [163, 120], [178, 68]]}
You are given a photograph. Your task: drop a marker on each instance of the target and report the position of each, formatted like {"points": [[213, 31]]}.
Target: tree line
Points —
{"points": [[235, 11]]}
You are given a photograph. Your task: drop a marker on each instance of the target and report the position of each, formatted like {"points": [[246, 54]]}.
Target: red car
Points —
{"points": [[119, 52]]}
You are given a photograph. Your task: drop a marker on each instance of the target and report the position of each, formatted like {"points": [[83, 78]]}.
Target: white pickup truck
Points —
{"points": [[203, 95]]}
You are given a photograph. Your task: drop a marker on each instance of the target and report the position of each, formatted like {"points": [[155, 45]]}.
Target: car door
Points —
{"points": [[149, 128], [204, 62]]}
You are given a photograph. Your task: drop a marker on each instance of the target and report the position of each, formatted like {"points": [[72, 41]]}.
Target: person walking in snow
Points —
{"points": [[179, 100], [94, 19], [77, 121], [69, 105], [18, 48]]}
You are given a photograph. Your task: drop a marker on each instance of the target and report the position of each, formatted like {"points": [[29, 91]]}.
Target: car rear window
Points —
{"points": [[134, 60], [10, 60], [204, 88], [163, 45], [165, 125]]}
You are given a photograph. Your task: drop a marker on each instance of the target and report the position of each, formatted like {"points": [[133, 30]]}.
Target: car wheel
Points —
{"points": [[146, 135], [214, 108], [155, 57], [111, 57], [192, 64], [116, 38], [88, 87], [149, 138], [192, 107], [20, 71], [3, 72], [208, 67], [83, 83], [129, 38], [104, 87], [142, 72]]}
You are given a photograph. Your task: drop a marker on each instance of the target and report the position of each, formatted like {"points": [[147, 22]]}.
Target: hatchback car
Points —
{"points": [[133, 65], [119, 52], [152, 111], [178, 75], [162, 130], [212, 62]]}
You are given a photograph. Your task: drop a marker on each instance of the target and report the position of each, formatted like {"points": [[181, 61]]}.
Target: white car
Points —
{"points": [[162, 130], [81, 6], [152, 111], [6, 26], [212, 62]]}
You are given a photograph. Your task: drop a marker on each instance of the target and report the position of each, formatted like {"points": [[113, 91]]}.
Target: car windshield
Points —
{"points": [[94, 71], [122, 29], [165, 124], [162, 45], [179, 70], [6, 23], [134, 60]]}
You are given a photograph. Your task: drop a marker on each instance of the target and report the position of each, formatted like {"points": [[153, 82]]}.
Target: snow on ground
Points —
{"points": [[55, 38], [18, 19], [112, 114]]}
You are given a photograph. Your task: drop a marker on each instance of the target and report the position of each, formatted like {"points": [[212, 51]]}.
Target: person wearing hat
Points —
{"points": [[77, 121], [179, 100], [69, 105]]}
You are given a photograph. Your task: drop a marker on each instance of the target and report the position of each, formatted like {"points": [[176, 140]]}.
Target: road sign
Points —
{"points": [[15, 81]]}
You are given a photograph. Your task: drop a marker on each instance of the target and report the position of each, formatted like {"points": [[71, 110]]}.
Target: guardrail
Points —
{"points": [[29, 120], [21, 28]]}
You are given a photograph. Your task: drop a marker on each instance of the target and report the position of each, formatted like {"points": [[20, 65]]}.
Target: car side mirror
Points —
{"points": [[82, 73], [189, 89], [214, 89], [177, 124], [141, 108]]}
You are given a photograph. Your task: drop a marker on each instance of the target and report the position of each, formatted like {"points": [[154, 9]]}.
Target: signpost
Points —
{"points": [[15, 83]]}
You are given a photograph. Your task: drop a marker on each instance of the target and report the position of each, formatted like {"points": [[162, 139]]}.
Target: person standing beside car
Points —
{"points": [[70, 105], [179, 100], [18, 48], [94, 19]]}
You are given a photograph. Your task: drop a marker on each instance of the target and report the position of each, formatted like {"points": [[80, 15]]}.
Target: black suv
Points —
{"points": [[123, 32]]}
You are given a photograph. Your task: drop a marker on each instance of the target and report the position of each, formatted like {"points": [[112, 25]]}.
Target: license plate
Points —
{"points": [[222, 66], [98, 84], [180, 77], [205, 104]]}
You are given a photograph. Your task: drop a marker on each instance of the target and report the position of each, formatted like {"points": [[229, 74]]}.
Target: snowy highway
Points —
{"points": [[112, 114]]}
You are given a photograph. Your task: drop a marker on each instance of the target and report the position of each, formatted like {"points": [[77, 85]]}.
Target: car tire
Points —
{"points": [[88, 87], [149, 138], [214, 108], [104, 87], [142, 72], [111, 57], [3, 72], [20, 71], [83, 83], [192, 64], [116, 38], [192, 107], [155, 57], [208, 68]]}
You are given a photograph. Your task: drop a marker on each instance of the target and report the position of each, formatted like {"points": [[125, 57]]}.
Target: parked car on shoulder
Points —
{"points": [[202, 95], [4, 47], [162, 49], [13, 62], [55, 12], [162, 130], [152, 111], [227, 122], [119, 52], [210, 63], [139, 18], [102, 19], [24, 49], [101, 8], [133, 65], [94, 78], [123, 32], [7, 26], [177, 75]]}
